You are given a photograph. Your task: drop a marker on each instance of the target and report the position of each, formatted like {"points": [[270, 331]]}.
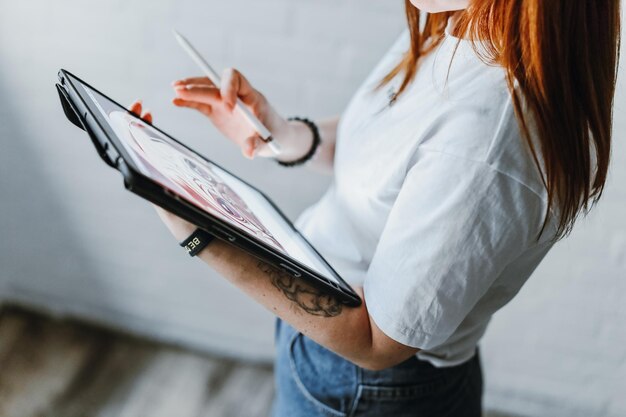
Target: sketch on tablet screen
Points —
{"points": [[184, 173]]}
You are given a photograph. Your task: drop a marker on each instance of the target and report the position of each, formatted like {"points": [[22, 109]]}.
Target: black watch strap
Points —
{"points": [[197, 241]]}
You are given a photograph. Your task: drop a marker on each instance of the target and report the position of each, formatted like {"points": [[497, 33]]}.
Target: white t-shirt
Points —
{"points": [[436, 203]]}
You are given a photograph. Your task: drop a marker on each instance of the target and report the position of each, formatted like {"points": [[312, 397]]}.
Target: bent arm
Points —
{"points": [[349, 332]]}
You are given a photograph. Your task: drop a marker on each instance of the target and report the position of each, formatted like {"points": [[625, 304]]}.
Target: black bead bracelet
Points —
{"points": [[314, 145]]}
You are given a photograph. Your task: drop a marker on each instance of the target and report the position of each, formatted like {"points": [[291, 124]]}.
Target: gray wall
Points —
{"points": [[72, 241]]}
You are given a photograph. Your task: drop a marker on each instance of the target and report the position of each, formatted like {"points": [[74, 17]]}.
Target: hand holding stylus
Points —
{"points": [[238, 105], [239, 111], [218, 104]]}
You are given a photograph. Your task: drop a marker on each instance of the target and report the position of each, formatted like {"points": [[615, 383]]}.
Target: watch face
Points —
{"points": [[197, 241]]}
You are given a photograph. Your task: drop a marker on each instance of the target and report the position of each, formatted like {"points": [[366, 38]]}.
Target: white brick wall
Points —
{"points": [[102, 252], [557, 350]]}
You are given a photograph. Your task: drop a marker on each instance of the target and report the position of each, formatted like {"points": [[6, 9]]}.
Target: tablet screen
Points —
{"points": [[204, 184]]}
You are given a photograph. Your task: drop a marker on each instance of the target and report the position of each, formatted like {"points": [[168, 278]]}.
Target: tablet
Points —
{"points": [[164, 171]]}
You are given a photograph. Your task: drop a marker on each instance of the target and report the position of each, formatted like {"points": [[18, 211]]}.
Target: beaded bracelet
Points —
{"points": [[314, 145]]}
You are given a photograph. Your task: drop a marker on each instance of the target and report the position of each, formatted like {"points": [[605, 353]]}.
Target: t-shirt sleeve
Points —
{"points": [[454, 227]]}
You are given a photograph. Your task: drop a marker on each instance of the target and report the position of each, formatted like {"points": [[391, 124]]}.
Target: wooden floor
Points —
{"points": [[63, 368]]}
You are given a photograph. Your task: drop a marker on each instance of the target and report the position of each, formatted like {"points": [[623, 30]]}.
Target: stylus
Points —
{"points": [[209, 72]]}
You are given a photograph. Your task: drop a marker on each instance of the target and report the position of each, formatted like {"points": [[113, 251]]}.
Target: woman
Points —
{"points": [[470, 149]]}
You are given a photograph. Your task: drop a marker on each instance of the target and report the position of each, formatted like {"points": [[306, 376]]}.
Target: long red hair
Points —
{"points": [[560, 58]]}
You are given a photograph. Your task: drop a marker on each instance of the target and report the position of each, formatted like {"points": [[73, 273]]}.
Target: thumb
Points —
{"points": [[235, 85], [255, 146]]}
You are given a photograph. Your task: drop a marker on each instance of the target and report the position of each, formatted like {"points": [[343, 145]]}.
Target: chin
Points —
{"points": [[438, 6]]}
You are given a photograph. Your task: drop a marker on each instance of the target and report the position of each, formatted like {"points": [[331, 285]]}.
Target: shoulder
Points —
{"points": [[475, 119]]}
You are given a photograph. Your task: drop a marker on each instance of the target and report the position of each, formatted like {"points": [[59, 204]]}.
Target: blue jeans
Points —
{"points": [[313, 381]]}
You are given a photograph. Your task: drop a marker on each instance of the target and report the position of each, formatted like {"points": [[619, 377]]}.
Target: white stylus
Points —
{"points": [[245, 112]]}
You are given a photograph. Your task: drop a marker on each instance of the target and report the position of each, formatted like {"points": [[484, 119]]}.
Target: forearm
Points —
{"points": [[299, 139], [349, 332], [345, 331]]}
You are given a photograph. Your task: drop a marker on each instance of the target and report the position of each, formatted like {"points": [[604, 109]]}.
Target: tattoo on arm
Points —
{"points": [[304, 296]]}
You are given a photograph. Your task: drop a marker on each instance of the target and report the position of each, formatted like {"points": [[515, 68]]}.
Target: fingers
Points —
{"points": [[234, 85], [137, 107], [255, 146], [147, 117], [249, 147], [201, 107], [193, 80], [201, 93]]}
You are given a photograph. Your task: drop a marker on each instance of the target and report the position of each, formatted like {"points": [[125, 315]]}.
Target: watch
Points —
{"points": [[197, 241]]}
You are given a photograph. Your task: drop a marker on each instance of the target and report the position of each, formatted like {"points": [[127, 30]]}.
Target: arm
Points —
{"points": [[349, 332]]}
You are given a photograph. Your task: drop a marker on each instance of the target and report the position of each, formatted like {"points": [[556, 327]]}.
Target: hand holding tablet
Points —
{"points": [[196, 191]]}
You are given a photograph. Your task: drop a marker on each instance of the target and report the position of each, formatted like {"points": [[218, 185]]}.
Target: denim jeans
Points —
{"points": [[313, 381]]}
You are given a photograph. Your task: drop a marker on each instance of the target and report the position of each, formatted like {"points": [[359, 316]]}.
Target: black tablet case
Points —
{"points": [[156, 194]]}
